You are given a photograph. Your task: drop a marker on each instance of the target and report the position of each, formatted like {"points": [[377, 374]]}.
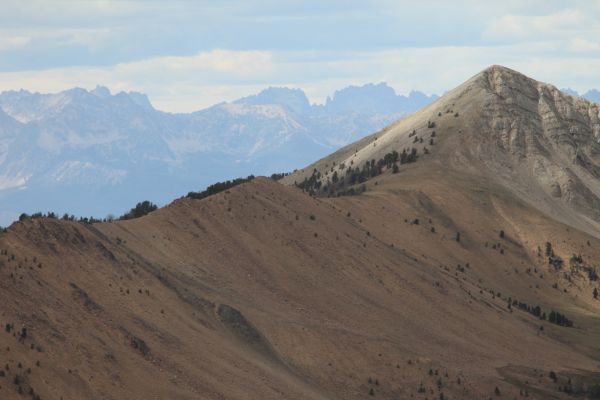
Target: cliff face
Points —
{"points": [[543, 143]]}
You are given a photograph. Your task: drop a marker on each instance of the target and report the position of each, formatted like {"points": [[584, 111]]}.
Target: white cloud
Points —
{"points": [[173, 83], [561, 47], [560, 25], [581, 45], [13, 42], [182, 84], [59, 12], [233, 64]]}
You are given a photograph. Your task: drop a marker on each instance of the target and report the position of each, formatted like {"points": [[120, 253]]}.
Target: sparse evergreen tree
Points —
{"points": [[549, 251]]}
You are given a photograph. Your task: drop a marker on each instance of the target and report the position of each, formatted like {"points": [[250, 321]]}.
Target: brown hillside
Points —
{"points": [[264, 292]]}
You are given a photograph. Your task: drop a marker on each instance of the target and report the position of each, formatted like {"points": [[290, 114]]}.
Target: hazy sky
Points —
{"points": [[189, 54]]}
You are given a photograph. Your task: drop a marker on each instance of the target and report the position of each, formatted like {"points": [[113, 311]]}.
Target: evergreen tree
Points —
{"points": [[549, 251]]}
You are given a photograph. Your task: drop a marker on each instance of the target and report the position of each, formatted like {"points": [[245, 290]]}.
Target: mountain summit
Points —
{"points": [[503, 127]]}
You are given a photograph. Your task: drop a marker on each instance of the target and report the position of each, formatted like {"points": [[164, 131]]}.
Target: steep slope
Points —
{"points": [[442, 280]]}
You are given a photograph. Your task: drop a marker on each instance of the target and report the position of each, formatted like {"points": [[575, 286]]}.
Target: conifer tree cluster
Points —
{"points": [[340, 184]]}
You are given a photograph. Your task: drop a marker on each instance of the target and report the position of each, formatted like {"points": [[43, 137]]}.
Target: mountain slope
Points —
{"points": [[504, 127], [430, 284]]}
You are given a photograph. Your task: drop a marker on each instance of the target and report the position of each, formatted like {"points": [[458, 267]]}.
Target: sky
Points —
{"points": [[187, 55]]}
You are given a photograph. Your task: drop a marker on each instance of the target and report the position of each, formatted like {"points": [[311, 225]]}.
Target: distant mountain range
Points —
{"points": [[591, 95], [94, 153]]}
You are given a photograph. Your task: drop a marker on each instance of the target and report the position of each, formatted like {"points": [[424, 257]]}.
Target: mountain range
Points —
{"points": [[452, 254], [95, 153], [591, 95]]}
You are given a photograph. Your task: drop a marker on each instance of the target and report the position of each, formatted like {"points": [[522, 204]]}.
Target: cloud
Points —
{"points": [[228, 63], [173, 83], [64, 12], [189, 83], [188, 55], [563, 24], [14, 42], [581, 45]]}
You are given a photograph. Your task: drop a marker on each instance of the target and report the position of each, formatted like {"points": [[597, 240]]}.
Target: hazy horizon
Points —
{"points": [[188, 58], [312, 102]]}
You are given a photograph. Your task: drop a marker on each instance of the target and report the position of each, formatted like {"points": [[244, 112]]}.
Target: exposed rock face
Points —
{"points": [[546, 140]]}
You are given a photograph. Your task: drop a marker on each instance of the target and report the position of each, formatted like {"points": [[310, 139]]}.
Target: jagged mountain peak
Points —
{"points": [[89, 138], [26, 106], [294, 99], [101, 91], [372, 97], [592, 95]]}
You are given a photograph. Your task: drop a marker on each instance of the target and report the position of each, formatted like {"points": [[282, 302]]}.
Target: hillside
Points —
{"points": [[452, 278]]}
